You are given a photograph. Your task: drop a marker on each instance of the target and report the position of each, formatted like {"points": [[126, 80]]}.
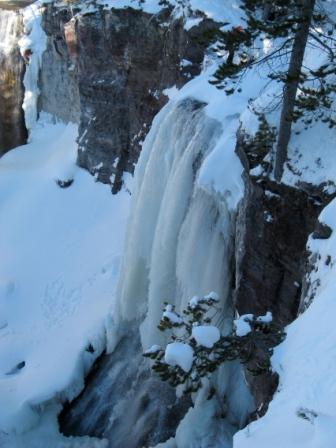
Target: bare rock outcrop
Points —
{"points": [[12, 127]]}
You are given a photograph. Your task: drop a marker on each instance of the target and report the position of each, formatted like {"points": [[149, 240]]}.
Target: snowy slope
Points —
{"points": [[60, 256]]}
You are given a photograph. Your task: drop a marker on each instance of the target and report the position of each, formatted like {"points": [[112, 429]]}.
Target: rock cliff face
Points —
{"points": [[58, 81], [12, 128], [108, 70], [273, 224]]}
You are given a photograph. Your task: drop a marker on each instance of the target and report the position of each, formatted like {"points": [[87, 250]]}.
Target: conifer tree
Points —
{"points": [[291, 25]]}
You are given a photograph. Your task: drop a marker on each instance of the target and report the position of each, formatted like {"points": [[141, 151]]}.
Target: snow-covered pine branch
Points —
{"points": [[196, 347]]}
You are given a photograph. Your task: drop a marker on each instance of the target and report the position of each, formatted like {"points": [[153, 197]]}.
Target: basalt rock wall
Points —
{"points": [[107, 70], [273, 223], [12, 127]]}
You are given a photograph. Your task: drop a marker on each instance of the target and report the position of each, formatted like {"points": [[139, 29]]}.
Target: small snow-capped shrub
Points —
{"points": [[197, 348], [256, 147]]}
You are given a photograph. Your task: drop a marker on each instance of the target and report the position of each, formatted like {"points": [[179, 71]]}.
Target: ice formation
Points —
{"points": [[32, 46]]}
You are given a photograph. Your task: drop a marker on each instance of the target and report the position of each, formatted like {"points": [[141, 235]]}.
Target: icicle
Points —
{"points": [[32, 46], [9, 30]]}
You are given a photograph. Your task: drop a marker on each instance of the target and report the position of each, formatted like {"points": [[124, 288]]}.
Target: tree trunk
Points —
{"points": [[267, 10], [291, 86]]}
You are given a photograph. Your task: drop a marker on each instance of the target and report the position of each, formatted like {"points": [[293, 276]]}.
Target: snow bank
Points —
{"points": [[266, 319], [46, 435], [305, 404], [60, 258]]}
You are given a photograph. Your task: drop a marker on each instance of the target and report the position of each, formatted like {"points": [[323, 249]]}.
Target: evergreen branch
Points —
{"points": [[324, 45]]}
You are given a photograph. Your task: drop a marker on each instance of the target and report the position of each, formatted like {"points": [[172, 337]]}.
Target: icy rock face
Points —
{"points": [[179, 243], [58, 82], [304, 403], [123, 402], [107, 70], [273, 224], [12, 128]]}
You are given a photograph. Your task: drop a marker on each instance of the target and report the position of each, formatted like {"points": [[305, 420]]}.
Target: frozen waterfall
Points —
{"points": [[10, 24], [179, 235], [22, 42], [179, 244], [32, 45]]}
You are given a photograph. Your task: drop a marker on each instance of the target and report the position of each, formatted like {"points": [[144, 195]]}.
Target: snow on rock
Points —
{"points": [[219, 11], [171, 315], [149, 6], [212, 296], [153, 349], [60, 259], [189, 10], [221, 171], [305, 402], [194, 301], [242, 325], [179, 354], [266, 319], [206, 335]]}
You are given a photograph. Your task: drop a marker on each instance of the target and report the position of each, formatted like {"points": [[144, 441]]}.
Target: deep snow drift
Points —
{"points": [[57, 272]]}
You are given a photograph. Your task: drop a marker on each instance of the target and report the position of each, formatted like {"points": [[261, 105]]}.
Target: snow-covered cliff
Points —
{"points": [[120, 88]]}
